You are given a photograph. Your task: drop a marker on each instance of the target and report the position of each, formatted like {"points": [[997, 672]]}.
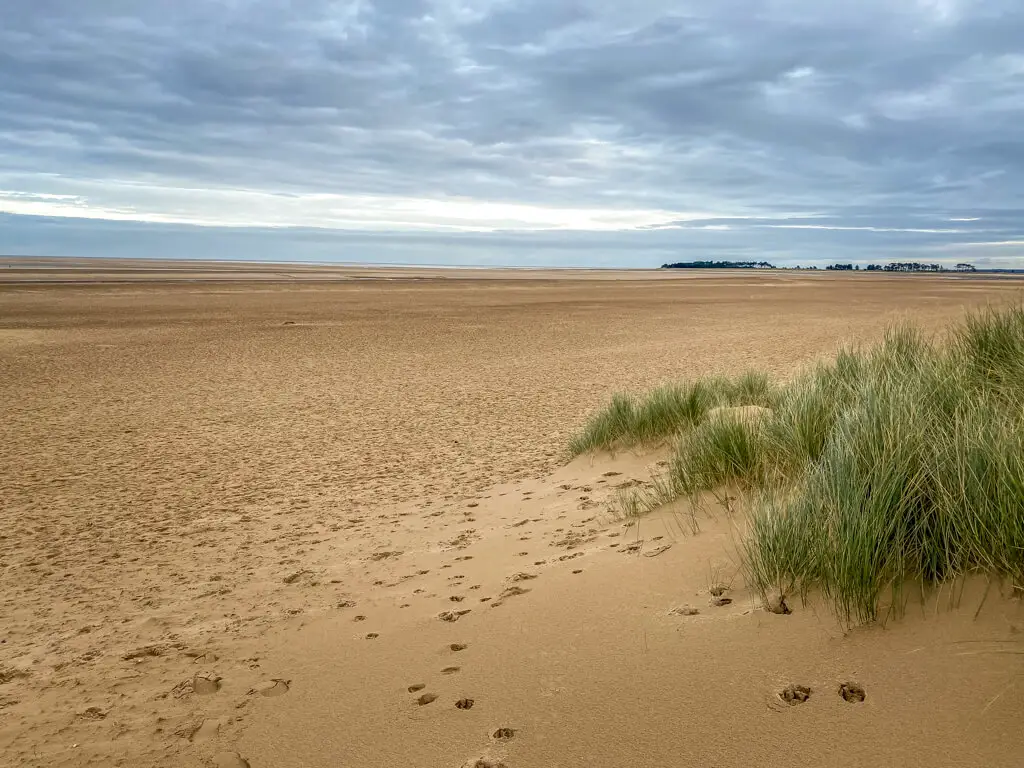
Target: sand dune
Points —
{"points": [[245, 517]]}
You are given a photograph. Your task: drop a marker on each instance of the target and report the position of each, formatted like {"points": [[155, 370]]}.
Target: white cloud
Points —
{"points": [[799, 73], [245, 208], [994, 244], [839, 228]]}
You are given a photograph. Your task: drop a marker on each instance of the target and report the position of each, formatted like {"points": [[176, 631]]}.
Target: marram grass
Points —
{"points": [[667, 411], [898, 463]]}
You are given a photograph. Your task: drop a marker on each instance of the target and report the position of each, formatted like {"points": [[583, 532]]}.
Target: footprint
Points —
{"points": [[206, 731], [148, 651], [684, 610], [204, 686], [503, 734], [464, 704], [578, 570], [451, 616], [372, 635], [483, 762], [417, 687], [292, 578], [230, 760], [718, 602], [512, 592], [658, 550], [795, 694], [521, 576], [426, 698], [852, 692], [275, 687], [456, 647], [384, 555], [450, 670], [457, 598]]}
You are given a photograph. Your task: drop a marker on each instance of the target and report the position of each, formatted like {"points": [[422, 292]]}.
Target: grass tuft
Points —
{"points": [[666, 412], [899, 463]]}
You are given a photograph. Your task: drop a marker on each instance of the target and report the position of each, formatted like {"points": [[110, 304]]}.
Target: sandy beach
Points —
{"points": [[283, 516]]}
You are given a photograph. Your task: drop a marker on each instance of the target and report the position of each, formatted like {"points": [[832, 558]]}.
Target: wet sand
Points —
{"points": [[208, 472]]}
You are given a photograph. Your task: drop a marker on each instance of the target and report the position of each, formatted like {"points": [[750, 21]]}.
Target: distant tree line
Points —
{"points": [[914, 266], [903, 266], [719, 265], [894, 266]]}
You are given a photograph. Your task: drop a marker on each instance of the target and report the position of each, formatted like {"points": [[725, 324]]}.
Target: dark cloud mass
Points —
{"points": [[527, 131]]}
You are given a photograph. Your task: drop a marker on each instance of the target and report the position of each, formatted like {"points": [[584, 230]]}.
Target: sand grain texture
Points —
{"points": [[236, 499]]}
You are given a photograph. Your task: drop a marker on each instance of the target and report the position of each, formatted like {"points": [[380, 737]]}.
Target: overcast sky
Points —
{"points": [[533, 132]]}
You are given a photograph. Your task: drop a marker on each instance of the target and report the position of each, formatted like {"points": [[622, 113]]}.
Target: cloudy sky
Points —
{"points": [[530, 132]]}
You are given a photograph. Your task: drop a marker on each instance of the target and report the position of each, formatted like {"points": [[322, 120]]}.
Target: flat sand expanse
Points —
{"points": [[247, 511]]}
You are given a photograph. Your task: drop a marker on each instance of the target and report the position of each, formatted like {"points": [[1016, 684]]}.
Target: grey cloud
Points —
{"points": [[877, 119]]}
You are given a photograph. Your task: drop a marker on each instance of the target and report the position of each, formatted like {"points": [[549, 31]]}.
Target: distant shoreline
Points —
{"points": [[61, 262], [26, 271], [15, 261]]}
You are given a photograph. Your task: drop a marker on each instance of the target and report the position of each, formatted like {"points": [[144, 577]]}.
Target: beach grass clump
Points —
{"points": [[666, 412], [991, 346], [724, 451], [895, 464]]}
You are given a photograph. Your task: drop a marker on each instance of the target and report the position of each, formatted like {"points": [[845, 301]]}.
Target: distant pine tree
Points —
{"points": [[719, 265]]}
